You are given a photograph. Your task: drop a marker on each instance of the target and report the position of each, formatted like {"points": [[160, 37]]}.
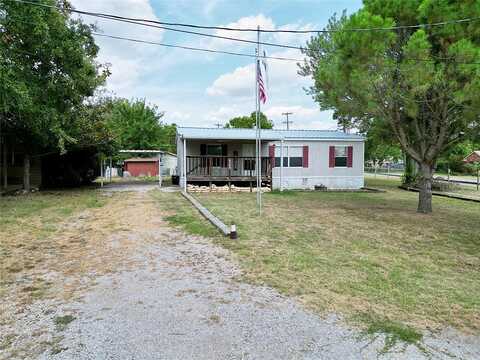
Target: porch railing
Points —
{"points": [[226, 166]]}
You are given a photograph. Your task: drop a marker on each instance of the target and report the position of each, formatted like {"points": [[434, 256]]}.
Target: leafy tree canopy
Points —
{"points": [[423, 83], [379, 144], [249, 121], [47, 69], [137, 125]]}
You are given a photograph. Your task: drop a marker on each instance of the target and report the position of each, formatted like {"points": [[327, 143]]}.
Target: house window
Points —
{"points": [[292, 156], [340, 156], [295, 156], [215, 150]]}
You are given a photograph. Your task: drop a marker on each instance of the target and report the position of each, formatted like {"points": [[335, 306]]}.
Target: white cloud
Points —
{"points": [[276, 112], [302, 117], [210, 6], [247, 22], [241, 81], [177, 116], [265, 23], [129, 61]]}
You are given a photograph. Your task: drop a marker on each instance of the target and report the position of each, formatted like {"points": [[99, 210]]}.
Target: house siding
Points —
{"points": [[318, 172]]}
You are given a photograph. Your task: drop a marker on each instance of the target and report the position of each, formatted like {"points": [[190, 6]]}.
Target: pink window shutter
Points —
{"points": [[331, 157], [271, 154], [350, 156], [305, 156]]}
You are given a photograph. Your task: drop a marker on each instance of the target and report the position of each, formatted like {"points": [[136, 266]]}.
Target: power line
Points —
{"points": [[194, 32], [193, 48], [229, 52], [234, 53], [142, 23], [413, 26], [106, 16]]}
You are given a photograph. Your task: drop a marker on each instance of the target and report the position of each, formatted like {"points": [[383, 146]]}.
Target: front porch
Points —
{"points": [[224, 162], [226, 169]]}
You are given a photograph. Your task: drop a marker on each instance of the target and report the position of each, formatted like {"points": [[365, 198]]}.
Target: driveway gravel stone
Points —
{"points": [[169, 295], [185, 301]]}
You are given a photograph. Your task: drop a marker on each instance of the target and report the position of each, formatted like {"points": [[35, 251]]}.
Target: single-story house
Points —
{"points": [[148, 166], [291, 159]]}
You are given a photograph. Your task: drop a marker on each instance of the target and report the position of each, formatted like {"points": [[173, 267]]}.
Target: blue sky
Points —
{"points": [[199, 89]]}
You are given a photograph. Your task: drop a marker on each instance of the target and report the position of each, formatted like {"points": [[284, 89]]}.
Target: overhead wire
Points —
{"points": [[226, 28], [141, 41], [130, 39], [193, 48], [143, 23]]}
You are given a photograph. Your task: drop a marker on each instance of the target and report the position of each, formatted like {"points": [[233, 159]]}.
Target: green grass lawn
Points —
{"points": [[27, 224], [368, 256]]}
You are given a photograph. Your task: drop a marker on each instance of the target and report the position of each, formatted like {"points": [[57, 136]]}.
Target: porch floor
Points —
{"points": [[225, 179]]}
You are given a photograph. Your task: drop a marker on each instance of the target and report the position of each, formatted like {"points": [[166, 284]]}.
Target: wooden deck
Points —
{"points": [[226, 178], [227, 169]]}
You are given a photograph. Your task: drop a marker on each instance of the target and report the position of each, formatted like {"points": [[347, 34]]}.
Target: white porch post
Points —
{"points": [[281, 165], [184, 164], [160, 169]]}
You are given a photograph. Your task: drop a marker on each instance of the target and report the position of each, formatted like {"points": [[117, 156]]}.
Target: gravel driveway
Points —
{"points": [[185, 303], [180, 297]]}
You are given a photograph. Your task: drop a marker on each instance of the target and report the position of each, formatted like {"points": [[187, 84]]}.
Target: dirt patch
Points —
{"points": [[44, 270]]}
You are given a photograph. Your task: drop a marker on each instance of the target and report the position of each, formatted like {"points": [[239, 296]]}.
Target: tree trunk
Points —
{"points": [[26, 172], [425, 185], [4, 164]]}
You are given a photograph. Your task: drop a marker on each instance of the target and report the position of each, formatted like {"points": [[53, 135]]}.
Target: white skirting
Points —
{"points": [[331, 182]]}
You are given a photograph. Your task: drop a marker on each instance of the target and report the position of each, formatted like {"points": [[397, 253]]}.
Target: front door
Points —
{"points": [[248, 161], [217, 155]]}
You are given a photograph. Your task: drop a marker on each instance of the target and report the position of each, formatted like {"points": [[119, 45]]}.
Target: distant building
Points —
{"points": [[148, 166], [474, 157]]}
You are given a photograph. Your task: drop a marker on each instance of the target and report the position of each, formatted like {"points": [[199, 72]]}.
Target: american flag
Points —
{"points": [[262, 94]]}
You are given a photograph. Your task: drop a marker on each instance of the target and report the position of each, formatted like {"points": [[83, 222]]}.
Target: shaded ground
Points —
{"points": [[138, 289]]}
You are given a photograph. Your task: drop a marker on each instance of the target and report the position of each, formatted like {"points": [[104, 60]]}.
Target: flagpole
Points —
{"points": [[258, 127]]}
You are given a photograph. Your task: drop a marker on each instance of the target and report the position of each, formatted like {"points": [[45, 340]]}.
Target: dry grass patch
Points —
{"points": [[55, 244], [366, 254]]}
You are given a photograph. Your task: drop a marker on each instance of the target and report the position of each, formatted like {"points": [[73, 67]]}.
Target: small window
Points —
{"points": [[340, 156], [295, 156], [292, 156], [214, 150]]}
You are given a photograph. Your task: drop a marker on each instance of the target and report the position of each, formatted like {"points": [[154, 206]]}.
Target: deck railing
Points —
{"points": [[226, 167]]}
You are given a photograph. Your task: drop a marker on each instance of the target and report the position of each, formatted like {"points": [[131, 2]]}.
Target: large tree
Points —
{"points": [[137, 125], [380, 146], [47, 70], [424, 82], [249, 121]]}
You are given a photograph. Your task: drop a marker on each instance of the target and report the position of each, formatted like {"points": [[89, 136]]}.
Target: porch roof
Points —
{"points": [[266, 134]]}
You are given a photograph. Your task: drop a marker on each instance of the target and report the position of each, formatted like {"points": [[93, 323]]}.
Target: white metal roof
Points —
{"points": [[147, 152], [266, 134]]}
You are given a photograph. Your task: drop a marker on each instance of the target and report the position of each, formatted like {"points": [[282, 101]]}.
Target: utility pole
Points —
{"points": [[218, 125], [288, 122]]}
